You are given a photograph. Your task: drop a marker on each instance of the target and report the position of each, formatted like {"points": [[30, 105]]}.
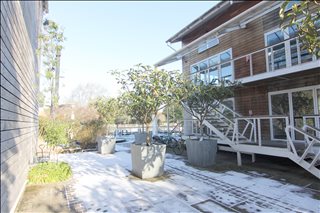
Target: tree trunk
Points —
{"points": [[148, 135], [52, 107]]}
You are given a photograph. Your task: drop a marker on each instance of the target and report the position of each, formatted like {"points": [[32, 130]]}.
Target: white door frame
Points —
{"points": [[289, 92]]}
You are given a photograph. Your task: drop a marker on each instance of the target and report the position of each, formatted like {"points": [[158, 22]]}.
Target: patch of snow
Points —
{"points": [[105, 183]]}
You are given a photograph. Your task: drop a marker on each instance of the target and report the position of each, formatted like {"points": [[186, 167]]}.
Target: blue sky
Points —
{"points": [[102, 36]]}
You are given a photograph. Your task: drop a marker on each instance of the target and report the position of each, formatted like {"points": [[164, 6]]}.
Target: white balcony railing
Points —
{"points": [[283, 56]]}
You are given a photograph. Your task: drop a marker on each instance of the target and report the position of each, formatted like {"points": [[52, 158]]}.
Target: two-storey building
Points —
{"points": [[242, 41]]}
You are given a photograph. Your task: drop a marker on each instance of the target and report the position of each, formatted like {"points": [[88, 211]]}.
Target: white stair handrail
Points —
{"points": [[314, 140]]}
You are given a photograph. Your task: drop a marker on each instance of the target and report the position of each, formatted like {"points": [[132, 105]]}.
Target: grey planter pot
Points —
{"points": [[202, 154], [148, 161], [106, 145], [141, 138]]}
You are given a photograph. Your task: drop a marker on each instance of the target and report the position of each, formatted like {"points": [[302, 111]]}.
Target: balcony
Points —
{"points": [[274, 60]]}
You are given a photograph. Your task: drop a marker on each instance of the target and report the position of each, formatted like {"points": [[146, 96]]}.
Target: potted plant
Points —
{"points": [[107, 109], [199, 101], [146, 91]]}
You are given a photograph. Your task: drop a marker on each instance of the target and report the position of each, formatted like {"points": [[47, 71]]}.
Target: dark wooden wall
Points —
{"points": [[20, 27]]}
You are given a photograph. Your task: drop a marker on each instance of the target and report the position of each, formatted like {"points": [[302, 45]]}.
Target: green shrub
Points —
{"points": [[88, 132], [54, 132], [49, 172]]}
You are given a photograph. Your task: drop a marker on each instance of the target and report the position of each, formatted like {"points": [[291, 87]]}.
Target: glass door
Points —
{"points": [[280, 107], [302, 108], [301, 105]]}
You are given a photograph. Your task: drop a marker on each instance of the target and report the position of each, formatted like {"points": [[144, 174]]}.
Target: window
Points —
{"points": [[285, 49], [214, 69], [194, 69], [290, 4], [208, 44]]}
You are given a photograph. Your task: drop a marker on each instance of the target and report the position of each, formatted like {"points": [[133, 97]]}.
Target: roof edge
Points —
{"points": [[198, 21]]}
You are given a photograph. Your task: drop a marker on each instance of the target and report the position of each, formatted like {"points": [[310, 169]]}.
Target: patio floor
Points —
{"points": [[103, 183]]}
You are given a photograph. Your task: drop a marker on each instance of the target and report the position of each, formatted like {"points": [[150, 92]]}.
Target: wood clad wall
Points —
{"points": [[20, 26], [242, 42], [253, 96]]}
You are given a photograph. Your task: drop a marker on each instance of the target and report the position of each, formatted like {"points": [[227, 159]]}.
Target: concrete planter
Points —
{"points": [[140, 138], [201, 153], [106, 145], [148, 161]]}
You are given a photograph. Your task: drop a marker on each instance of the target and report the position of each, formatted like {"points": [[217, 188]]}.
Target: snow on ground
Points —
{"points": [[104, 184]]}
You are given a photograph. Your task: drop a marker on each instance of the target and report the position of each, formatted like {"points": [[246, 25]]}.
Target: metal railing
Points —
{"points": [[292, 56], [311, 141], [256, 130]]}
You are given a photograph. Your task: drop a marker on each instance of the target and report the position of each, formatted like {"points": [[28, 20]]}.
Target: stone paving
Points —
{"points": [[105, 184]]}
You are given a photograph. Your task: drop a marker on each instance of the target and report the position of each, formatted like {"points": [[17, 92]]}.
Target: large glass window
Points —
{"points": [[285, 49], [276, 54], [214, 69]]}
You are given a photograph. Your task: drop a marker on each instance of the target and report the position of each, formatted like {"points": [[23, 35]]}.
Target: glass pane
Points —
{"points": [[229, 103], [226, 71], [294, 52], [213, 75], [293, 31], [318, 96], [302, 103], [213, 61], [290, 4], [275, 38], [279, 57], [194, 69], [305, 55], [203, 65], [279, 106], [225, 57], [203, 76]]}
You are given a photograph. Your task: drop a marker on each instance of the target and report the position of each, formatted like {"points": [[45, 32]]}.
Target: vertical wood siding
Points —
{"points": [[20, 26]]}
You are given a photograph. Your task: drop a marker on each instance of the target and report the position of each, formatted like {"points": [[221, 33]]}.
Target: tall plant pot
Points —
{"points": [[201, 153], [148, 161], [140, 138], [106, 145]]}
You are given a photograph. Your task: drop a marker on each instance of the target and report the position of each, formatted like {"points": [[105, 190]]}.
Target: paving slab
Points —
{"points": [[104, 183], [44, 198]]}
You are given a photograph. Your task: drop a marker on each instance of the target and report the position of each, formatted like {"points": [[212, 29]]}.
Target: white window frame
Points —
{"points": [[287, 47], [219, 64], [314, 89]]}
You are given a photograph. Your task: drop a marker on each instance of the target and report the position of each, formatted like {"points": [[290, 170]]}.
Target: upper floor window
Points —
{"points": [[290, 4], [208, 44], [285, 49], [214, 69]]}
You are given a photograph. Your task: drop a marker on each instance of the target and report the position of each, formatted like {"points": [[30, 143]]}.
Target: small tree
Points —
{"points": [[306, 27], [202, 98], [146, 91], [108, 110], [54, 132], [50, 48]]}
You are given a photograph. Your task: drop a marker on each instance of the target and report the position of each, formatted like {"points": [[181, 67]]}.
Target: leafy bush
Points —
{"points": [[88, 132], [54, 132], [49, 172]]}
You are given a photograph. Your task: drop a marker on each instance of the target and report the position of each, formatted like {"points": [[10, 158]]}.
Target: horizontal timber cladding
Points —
{"points": [[20, 27], [254, 96], [233, 11], [243, 42]]}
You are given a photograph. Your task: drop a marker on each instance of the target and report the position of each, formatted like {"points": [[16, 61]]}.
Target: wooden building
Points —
{"points": [[21, 23], [280, 97]]}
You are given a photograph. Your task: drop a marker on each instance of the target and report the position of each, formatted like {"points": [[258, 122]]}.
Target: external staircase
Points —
{"points": [[245, 135]]}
